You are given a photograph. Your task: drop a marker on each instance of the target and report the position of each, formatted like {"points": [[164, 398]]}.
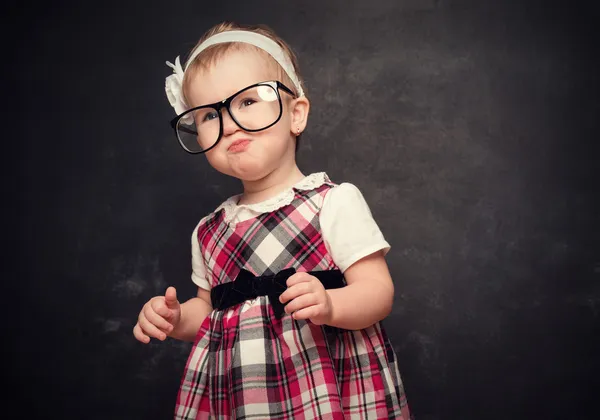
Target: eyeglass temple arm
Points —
{"points": [[188, 131]]}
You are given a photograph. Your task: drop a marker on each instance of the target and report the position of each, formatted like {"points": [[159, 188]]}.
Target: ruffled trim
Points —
{"points": [[284, 198]]}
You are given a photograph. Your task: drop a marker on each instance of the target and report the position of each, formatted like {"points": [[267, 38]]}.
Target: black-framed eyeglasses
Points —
{"points": [[254, 108]]}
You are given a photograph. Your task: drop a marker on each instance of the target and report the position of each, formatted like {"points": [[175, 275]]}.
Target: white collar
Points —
{"points": [[284, 198]]}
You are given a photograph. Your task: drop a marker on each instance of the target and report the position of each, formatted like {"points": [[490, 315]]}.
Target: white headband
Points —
{"points": [[173, 83]]}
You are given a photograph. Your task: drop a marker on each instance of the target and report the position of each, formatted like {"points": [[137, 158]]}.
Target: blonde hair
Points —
{"points": [[210, 55]]}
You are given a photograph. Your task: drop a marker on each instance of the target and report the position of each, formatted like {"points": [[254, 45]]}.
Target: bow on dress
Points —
{"points": [[248, 286]]}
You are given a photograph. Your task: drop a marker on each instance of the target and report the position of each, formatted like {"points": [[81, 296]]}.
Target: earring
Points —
{"points": [[298, 130]]}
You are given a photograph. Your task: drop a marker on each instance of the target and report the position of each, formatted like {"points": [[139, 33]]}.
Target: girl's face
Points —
{"points": [[249, 156]]}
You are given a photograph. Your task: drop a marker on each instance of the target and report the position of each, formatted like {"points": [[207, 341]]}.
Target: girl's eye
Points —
{"points": [[247, 102], [210, 116]]}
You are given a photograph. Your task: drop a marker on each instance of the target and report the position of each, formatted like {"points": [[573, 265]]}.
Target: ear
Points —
{"points": [[299, 115]]}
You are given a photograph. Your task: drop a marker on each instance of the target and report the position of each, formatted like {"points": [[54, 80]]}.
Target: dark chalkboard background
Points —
{"points": [[470, 126]]}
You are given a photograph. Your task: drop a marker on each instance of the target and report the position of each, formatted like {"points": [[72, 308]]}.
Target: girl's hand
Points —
{"points": [[158, 317], [309, 299]]}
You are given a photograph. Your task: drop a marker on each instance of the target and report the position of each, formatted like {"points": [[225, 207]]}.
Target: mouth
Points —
{"points": [[238, 146]]}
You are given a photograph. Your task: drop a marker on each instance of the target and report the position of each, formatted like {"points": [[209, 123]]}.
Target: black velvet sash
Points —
{"points": [[248, 286]]}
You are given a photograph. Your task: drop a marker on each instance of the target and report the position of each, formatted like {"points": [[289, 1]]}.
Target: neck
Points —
{"points": [[262, 189]]}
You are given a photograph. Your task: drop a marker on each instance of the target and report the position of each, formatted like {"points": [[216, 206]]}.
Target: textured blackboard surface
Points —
{"points": [[470, 127]]}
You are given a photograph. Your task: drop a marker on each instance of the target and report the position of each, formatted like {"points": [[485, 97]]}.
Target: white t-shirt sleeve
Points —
{"points": [[348, 228], [198, 267]]}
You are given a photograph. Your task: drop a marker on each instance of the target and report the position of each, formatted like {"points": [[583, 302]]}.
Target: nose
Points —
{"points": [[229, 126]]}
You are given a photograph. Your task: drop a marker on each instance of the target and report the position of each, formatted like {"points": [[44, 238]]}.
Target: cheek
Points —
{"points": [[217, 159], [280, 133], [286, 119], [275, 142]]}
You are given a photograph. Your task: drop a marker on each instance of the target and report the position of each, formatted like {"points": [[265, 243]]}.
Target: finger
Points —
{"points": [[149, 329], [301, 302], [307, 313], [295, 291], [298, 278], [139, 335], [171, 298], [158, 321], [160, 307]]}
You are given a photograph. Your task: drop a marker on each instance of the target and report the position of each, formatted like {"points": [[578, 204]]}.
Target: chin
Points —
{"points": [[251, 165], [246, 170]]}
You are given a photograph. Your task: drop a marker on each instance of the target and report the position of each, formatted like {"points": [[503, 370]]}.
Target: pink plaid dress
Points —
{"points": [[247, 364]]}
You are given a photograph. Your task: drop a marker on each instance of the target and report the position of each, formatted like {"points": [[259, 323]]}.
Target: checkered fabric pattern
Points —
{"points": [[246, 364]]}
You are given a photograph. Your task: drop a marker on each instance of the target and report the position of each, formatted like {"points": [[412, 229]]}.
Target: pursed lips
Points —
{"points": [[238, 145]]}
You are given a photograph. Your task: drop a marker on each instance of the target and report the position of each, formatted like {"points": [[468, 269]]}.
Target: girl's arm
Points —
{"points": [[367, 298], [193, 313], [358, 248]]}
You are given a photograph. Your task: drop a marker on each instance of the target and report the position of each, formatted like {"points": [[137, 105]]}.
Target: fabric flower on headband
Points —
{"points": [[173, 87]]}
